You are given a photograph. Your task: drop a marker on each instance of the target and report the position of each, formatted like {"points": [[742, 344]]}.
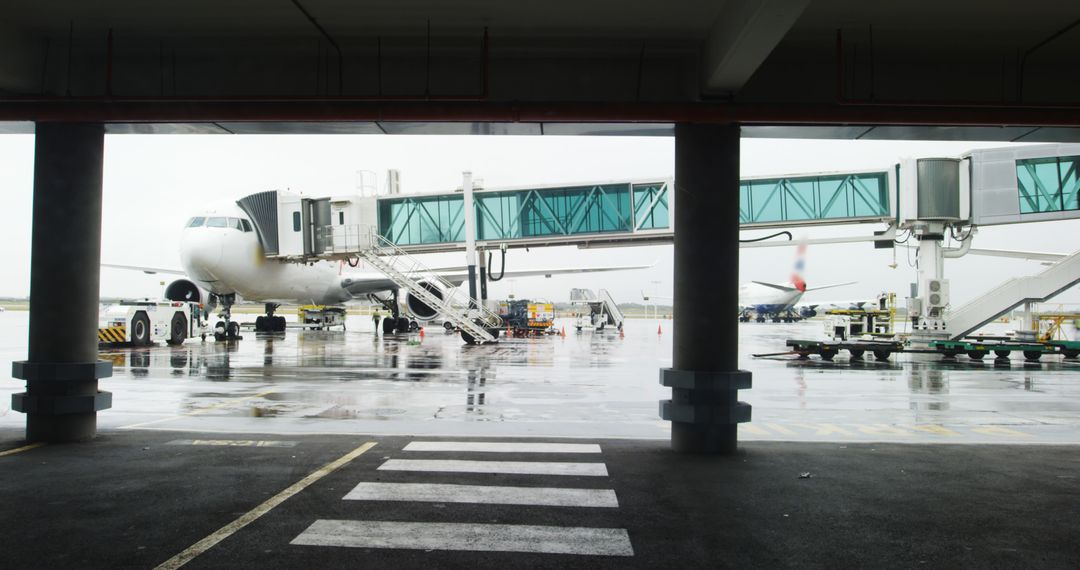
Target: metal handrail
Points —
{"points": [[358, 239]]}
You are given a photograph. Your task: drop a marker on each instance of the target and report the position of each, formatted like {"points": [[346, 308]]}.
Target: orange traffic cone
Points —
{"points": [[421, 332], [563, 333], [621, 335], [658, 329]]}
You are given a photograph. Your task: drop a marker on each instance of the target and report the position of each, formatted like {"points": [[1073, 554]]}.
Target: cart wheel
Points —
{"points": [[234, 329], [1002, 353], [1032, 355], [468, 338], [828, 355], [1071, 353], [140, 329], [856, 354], [949, 353], [448, 326], [976, 354], [882, 354]]}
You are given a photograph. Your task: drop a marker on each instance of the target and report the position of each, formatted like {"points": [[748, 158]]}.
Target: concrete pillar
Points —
{"points": [[704, 410], [62, 370]]}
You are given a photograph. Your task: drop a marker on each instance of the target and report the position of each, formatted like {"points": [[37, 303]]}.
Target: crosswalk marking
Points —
{"points": [[465, 536], [437, 493], [509, 467], [502, 447]]}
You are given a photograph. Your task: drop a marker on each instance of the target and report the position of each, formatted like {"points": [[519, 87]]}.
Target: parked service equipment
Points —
{"points": [[140, 323]]}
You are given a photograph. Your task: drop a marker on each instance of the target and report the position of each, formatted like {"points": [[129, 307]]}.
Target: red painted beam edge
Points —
{"points": [[195, 111]]}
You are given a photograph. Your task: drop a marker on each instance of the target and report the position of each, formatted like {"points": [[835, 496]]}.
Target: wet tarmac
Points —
{"points": [[584, 385]]}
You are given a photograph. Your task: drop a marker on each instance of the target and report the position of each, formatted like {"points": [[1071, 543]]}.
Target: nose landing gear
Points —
{"points": [[227, 329]]}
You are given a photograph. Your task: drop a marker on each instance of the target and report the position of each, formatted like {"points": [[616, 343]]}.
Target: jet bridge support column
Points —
{"points": [[62, 369], [704, 410]]}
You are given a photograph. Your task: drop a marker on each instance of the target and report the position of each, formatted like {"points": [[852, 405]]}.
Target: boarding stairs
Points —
{"points": [[599, 304], [1013, 293], [615, 316], [466, 313]]}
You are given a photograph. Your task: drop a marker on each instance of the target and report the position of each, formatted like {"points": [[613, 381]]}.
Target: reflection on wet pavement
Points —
{"points": [[584, 384]]}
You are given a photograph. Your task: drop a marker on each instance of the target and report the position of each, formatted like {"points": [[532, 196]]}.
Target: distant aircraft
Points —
{"points": [[222, 260], [763, 301]]}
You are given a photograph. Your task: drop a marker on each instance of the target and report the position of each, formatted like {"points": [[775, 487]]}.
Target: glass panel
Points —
{"points": [[767, 200], [1070, 181], [246, 225], [1039, 185], [799, 199], [295, 221], [870, 195], [834, 197], [196, 222], [218, 222]]}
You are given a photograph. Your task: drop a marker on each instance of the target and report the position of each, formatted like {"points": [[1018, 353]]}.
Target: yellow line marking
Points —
{"points": [[750, 428], [780, 429], [22, 449], [998, 430], [199, 411], [251, 516]]}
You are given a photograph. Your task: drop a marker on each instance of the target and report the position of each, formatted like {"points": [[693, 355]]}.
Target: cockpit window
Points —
{"points": [[196, 222], [234, 223], [217, 222], [246, 225]]}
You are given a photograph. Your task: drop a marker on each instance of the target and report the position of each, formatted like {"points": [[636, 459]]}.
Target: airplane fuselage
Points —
{"points": [[221, 253]]}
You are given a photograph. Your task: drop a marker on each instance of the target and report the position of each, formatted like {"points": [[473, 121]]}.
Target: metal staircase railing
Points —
{"points": [[1011, 294], [614, 314], [408, 273]]}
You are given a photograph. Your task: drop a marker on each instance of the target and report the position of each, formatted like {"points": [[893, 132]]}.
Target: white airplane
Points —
{"points": [[771, 301], [222, 260]]}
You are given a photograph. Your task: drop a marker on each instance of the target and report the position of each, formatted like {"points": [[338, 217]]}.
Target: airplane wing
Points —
{"points": [[775, 286], [458, 275], [808, 289], [147, 270], [364, 284], [1029, 255]]}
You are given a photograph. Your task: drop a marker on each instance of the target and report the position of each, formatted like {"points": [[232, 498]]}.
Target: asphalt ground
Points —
{"points": [[137, 499]]}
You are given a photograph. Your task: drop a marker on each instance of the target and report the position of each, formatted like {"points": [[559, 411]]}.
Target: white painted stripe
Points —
{"points": [[247, 518], [438, 493], [469, 537], [500, 447], [512, 467]]}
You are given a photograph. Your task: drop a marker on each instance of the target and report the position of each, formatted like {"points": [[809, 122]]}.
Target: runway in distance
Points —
{"points": [[222, 261]]}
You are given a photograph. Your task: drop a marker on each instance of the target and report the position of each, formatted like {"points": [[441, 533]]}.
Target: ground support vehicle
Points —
{"points": [[881, 349], [977, 348], [141, 323], [320, 317], [524, 318]]}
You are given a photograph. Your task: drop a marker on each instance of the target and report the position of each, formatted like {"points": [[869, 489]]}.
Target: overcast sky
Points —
{"points": [[153, 183]]}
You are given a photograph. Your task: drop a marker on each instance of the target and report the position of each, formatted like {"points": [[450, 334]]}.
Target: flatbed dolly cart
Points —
{"points": [[977, 348], [881, 349]]}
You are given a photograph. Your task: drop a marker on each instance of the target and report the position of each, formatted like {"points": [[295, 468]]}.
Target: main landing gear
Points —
{"points": [[227, 329], [270, 323]]}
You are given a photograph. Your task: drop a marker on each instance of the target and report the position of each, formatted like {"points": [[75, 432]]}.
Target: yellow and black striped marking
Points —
{"points": [[112, 334]]}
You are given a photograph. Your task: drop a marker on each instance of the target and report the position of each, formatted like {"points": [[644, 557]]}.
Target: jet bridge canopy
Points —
{"points": [[611, 213]]}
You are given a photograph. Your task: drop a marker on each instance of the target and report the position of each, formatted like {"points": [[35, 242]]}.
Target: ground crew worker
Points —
{"points": [[375, 316]]}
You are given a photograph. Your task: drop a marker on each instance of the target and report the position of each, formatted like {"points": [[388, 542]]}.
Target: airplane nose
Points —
{"points": [[200, 252]]}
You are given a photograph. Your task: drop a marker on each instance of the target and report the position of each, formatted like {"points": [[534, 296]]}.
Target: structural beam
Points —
{"points": [[744, 34], [705, 376], [62, 370]]}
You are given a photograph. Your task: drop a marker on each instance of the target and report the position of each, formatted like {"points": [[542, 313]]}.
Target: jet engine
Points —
{"points": [[419, 309], [187, 290]]}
